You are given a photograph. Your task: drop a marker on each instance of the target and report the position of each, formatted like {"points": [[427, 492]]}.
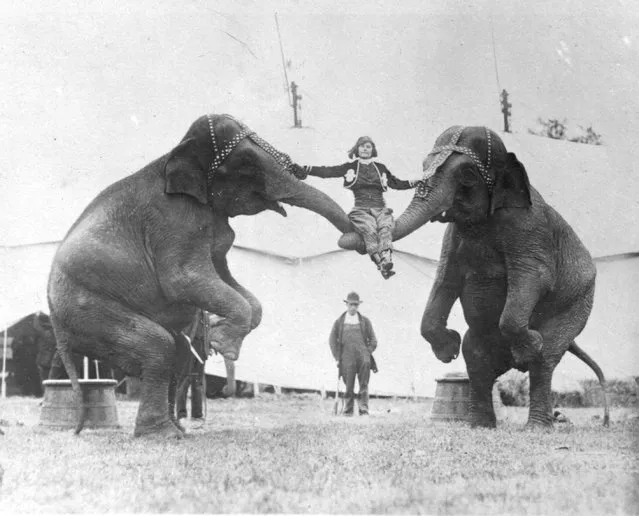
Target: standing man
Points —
{"points": [[194, 373], [45, 344], [352, 342]]}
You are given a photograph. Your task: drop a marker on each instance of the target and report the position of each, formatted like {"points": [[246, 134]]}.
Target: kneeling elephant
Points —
{"points": [[151, 249]]}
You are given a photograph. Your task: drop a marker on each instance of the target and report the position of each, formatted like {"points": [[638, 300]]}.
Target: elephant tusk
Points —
{"points": [[195, 353]]}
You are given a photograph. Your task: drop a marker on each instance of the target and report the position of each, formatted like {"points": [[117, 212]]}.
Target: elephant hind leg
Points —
{"points": [[149, 344], [558, 333], [66, 341], [137, 345]]}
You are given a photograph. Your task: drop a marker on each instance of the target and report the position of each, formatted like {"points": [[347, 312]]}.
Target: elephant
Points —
{"points": [[33, 350], [524, 279], [152, 248]]}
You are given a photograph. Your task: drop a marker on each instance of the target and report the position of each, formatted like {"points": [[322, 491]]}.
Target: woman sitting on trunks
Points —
{"points": [[368, 180]]}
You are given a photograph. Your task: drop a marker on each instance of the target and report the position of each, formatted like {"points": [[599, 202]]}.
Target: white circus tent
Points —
{"points": [[294, 267]]}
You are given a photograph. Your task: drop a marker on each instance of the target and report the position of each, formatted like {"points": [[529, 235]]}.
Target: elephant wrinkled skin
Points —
{"points": [[151, 249], [524, 279]]}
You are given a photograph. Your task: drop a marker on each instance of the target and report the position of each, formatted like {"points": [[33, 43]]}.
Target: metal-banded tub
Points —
{"points": [[452, 398], [60, 409]]}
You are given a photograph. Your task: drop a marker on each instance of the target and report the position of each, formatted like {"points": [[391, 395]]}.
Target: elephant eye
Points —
{"points": [[468, 176], [249, 160], [245, 165], [250, 163]]}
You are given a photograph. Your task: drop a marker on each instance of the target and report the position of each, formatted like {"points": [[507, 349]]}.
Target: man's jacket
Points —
{"points": [[335, 340]]}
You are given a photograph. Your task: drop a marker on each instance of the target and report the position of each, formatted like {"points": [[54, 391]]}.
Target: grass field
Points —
{"points": [[289, 454]]}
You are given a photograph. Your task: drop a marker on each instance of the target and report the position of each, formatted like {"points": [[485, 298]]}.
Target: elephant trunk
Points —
{"points": [[418, 212], [315, 200]]}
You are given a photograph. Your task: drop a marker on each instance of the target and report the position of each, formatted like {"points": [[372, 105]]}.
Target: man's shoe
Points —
{"points": [[347, 414], [387, 274], [363, 412]]}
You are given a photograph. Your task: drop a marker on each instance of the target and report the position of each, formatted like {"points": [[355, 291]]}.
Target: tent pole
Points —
{"points": [[4, 365]]}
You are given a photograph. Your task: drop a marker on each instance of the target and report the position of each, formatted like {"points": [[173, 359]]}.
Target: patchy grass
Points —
{"points": [[288, 454]]}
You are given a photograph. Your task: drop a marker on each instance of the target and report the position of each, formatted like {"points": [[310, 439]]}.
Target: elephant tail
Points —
{"points": [[583, 356], [64, 351]]}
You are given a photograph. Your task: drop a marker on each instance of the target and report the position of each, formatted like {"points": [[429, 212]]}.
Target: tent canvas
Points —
{"points": [[302, 298], [301, 278]]}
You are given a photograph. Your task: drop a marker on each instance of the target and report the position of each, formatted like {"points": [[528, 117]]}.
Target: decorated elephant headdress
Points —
{"points": [[504, 176], [202, 149]]}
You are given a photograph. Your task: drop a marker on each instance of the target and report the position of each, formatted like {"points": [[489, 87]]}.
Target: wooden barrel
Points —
{"points": [[452, 398], [59, 408]]}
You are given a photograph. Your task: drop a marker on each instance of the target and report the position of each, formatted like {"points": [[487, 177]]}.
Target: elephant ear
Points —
{"points": [[512, 187], [183, 172]]}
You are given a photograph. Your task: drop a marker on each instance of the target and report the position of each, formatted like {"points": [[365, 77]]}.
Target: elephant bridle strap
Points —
{"points": [[219, 156], [442, 152]]}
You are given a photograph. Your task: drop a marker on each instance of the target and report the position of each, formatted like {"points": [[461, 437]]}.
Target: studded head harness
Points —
{"points": [[220, 155], [448, 143]]}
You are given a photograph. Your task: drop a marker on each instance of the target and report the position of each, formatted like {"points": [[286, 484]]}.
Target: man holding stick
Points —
{"points": [[352, 343]]}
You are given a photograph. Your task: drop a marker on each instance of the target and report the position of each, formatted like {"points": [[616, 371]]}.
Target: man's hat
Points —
{"points": [[353, 297], [354, 151]]}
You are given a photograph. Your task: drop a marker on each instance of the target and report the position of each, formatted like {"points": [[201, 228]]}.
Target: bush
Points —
{"points": [[558, 130], [514, 391], [621, 393], [568, 399]]}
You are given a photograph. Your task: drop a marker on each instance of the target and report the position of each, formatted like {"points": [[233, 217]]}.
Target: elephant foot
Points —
{"points": [[225, 345], [523, 355], [165, 430], [540, 424], [445, 344], [227, 352]]}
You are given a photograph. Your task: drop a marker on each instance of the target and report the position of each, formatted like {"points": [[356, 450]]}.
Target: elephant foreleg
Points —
{"points": [[221, 266], [225, 237], [196, 282], [446, 289], [525, 288], [227, 335]]}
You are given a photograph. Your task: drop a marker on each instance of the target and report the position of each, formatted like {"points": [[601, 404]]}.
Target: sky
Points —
{"points": [[91, 93]]}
